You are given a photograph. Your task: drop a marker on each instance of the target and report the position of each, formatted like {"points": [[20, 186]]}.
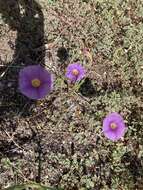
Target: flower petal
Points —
{"points": [[113, 134], [30, 92], [78, 67], [29, 73]]}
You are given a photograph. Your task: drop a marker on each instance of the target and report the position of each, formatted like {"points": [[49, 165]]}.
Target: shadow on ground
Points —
{"points": [[26, 18]]}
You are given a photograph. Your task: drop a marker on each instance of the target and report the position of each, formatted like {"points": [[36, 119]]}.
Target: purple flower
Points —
{"points": [[114, 126], [75, 72], [35, 82]]}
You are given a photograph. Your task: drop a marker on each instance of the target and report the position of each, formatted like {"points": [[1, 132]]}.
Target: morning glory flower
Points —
{"points": [[114, 126], [35, 82], [75, 72]]}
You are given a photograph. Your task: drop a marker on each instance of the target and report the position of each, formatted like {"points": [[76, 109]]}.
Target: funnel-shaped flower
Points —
{"points": [[75, 72], [35, 82], [114, 126]]}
